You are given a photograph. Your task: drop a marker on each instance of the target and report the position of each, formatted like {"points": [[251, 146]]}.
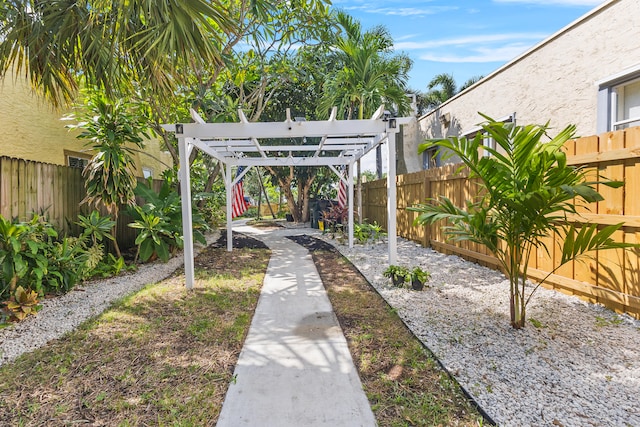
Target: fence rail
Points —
{"points": [[53, 191], [610, 277]]}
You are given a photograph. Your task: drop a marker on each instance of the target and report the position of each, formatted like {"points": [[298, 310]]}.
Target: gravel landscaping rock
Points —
{"points": [[579, 367]]}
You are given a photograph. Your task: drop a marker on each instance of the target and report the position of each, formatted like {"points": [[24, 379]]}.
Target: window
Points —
{"points": [[76, 160], [147, 173], [431, 159], [487, 141], [626, 105], [619, 101]]}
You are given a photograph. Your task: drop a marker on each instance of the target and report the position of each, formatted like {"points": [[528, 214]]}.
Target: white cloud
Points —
{"points": [[555, 2], [481, 54], [469, 40], [399, 11], [408, 11], [406, 37]]}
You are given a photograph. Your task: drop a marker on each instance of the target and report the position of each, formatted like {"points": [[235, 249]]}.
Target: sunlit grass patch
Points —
{"points": [[162, 356]]}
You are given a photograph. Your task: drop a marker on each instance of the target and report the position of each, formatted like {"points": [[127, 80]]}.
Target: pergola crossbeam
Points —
{"points": [[342, 143]]}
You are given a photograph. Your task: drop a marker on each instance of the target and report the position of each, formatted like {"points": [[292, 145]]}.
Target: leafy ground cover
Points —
{"points": [[403, 381], [164, 356]]}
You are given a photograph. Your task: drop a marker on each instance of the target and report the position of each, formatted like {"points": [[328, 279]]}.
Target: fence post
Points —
{"points": [[426, 194]]}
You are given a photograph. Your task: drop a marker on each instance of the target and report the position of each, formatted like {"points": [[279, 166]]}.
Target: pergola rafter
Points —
{"points": [[333, 143]]}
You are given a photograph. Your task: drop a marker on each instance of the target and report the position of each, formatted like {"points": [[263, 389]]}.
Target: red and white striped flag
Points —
{"points": [[342, 193], [238, 204]]}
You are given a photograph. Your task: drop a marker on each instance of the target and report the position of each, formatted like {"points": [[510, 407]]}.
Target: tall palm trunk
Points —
{"points": [[516, 281]]}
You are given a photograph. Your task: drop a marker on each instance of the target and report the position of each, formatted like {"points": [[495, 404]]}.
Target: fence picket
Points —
{"points": [[611, 277], [28, 187]]}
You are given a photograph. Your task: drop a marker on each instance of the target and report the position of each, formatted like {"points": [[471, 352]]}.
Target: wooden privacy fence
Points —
{"points": [[610, 277], [53, 191]]}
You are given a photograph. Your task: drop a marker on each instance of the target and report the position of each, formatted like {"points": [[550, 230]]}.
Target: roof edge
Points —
{"points": [[539, 45]]}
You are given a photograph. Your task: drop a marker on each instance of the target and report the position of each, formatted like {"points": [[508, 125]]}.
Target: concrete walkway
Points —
{"points": [[295, 368]]}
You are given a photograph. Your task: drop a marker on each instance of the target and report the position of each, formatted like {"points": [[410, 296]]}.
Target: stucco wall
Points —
{"points": [[411, 139], [556, 80], [32, 130]]}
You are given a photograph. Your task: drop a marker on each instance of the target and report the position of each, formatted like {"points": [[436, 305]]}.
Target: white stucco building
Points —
{"points": [[586, 74]]}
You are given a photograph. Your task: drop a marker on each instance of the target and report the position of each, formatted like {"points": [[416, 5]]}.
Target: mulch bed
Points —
{"points": [[240, 241]]}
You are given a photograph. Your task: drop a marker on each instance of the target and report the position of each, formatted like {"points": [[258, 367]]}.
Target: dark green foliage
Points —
{"points": [[366, 232], [96, 227], [398, 274], [34, 257], [160, 222]]}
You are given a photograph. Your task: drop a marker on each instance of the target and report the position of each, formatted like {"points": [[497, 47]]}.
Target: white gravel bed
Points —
{"points": [[63, 314], [580, 368]]}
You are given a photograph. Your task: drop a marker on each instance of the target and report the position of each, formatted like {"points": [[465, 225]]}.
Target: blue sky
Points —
{"points": [[468, 37]]}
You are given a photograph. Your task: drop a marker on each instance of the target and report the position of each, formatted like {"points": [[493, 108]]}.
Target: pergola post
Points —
{"points": [[359, 191], [391, 198], [227, 184], [238, 144], [350, 195], [187, 223]]}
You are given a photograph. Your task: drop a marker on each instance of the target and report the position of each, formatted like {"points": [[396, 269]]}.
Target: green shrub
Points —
{"points": [[365, 232], [398, 274], [159, 221], [32, 256], [23, 254]]}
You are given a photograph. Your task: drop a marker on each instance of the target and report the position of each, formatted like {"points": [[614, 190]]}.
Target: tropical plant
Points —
{"points": [[23, 254], [96, 227], [442, 87], [160, 222], [366, 232], [23, 303], [366, 74], [111, 127], [527, 189], [115, 45], [67, 265], [397, 273], [109, 266], [32, 256], [156, 236], [335, 217], [418, 278]]}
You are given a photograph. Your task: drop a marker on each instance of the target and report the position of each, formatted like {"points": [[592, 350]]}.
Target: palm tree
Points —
{"points": [[443, 86], [366, 72], [527, 190], [108, 44]]}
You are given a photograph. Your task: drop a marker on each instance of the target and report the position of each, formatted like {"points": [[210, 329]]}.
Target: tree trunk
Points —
{"points": [[303, 198], [517, 305], [264, 191], [114, 230]]}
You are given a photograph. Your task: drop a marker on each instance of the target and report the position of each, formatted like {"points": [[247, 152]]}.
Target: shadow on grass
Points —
{"points": [[164, 355]]}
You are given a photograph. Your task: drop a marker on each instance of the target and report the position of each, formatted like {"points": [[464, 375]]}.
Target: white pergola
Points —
{"points": [[341, 143]]}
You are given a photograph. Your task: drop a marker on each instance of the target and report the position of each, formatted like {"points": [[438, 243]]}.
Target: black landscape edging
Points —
{"points": [[468, 395]]}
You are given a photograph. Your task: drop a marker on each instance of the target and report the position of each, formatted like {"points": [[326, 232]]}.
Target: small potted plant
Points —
{"points": [[397, 274], [418, 278]]}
